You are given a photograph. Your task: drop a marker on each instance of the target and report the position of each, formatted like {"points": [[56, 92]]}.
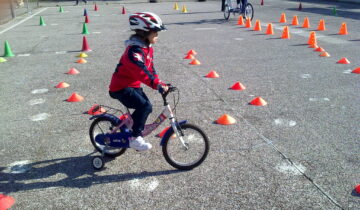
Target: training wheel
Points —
{"points": [[98, 162]]}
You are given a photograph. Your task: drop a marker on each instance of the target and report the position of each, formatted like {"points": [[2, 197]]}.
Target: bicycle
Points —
{"points": [[184, 145], [231, 7]]}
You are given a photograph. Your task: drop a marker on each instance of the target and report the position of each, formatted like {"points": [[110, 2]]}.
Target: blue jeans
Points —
{"points": [[244, 3], [135, 98]]}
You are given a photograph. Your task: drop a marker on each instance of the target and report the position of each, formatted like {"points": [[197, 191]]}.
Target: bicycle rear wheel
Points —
{"points": [[188, 158], [103, 126], [227, 12], [249, 11]]}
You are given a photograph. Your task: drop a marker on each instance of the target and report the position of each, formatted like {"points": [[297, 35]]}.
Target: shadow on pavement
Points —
{"points": [[78, 171]]}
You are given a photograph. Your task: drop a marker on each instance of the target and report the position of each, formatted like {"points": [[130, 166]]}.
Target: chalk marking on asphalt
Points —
{"points": [[305, 76], [60, 52], [39, 91], [18, 23], [284, 122], [23, 55], [202, 29], [36, 101], [54, 24], [318, 99], [347, 71], [39, 117], [97, 32], [288, 168], [18, 167], [239, 39]]}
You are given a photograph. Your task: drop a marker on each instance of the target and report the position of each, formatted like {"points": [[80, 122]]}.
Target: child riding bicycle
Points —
{"points": [[136, 67]]}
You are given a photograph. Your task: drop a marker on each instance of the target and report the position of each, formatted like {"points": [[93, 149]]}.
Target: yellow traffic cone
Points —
{"points": [[184, 10], [176, 6]]}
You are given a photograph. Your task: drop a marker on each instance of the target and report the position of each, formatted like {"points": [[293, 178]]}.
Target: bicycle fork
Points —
{"points": [[177, 129]]}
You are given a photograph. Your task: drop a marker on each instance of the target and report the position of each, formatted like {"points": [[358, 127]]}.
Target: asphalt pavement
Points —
{"points": [[300, 151]]}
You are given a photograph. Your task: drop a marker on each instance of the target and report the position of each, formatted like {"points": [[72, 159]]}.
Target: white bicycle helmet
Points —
{"points": [[146, 21]]}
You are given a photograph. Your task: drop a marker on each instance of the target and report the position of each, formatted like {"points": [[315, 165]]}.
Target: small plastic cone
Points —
{"points": [[238, 86], [189, 56], [81, 61], [285, 34], [356, 71], [306, 23], [83, 55], [312, 38], [85, 29], [248, 23], [343, 29], [357, 189], [226, 120], [319, 49], [300, 7], [85, 12], [2, 60], [96, 109], [283, 18], [262, 3], [123, 10], [87, 19], [62, 85], [212, 74], [240, 20], [73, 71], [95, 8], [6, 202], [258, 102], [42, 22], [75, 98], [192, 52], [184, 10], [195, 62], [343, 61], [321, 26], [313, 46], [162, 133], [295, 21], [8, 51], [257, 26], [85, 45], [270, 29], [61, 9], [325, 54], [176, 6], [334, 11]]}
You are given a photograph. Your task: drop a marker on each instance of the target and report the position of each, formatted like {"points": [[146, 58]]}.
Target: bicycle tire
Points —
{"points": [[192, 133], [249, 11], [112, 152], [227, 12]]}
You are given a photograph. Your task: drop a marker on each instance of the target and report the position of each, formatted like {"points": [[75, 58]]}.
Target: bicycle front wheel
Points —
{"points": [[249, 11], [190, 155], [227, 12]]}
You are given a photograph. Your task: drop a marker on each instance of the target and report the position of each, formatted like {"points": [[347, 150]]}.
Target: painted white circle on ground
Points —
{"points": [[287, 168], [23, 55], [305, 76], [347, 71], [96, 32], [18, 167], [319, 99], [39, 117], [54, 24], [39, 91], [284, 122], [60, 52], [36, 101], [239, 39]]}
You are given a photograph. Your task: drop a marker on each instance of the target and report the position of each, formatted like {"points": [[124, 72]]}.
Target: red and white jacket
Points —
{"points": [[135, 67]]}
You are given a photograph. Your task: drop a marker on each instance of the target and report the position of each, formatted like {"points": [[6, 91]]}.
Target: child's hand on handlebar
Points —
{"points": [[163, 88]]}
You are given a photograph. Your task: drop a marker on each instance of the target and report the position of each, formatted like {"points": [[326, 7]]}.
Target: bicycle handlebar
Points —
{"points": [[165, 94]]}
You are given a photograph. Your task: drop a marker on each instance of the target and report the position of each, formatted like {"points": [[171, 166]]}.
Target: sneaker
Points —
{"points": [[139, 144]]}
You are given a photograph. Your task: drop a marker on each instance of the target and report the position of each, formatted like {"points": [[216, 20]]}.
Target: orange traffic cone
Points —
{"points": [[258, 102], [62, 85], [238, 86], [81, 60], [356, 71], [192, 52], [325, 54], [295, 21], [306, 23], [257, 26], [96, 109], [189, 56], [312, 38], [212, 74], [195, 62], [270, 29], [6, 202], [73, 71], [123, 11], [319, 49], [343, 29], [248, 23], [285, 34], [75, 98], [283, 18], [321, 26], [162, 133], [313, 46], [240, 20], [226, 120], [343, 61]]}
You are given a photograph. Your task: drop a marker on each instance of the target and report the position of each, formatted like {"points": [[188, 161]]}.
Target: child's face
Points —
{"points": [[153, 37]]}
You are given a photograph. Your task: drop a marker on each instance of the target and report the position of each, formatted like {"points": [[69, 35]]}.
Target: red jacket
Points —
{"points": [[135, 67]]}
